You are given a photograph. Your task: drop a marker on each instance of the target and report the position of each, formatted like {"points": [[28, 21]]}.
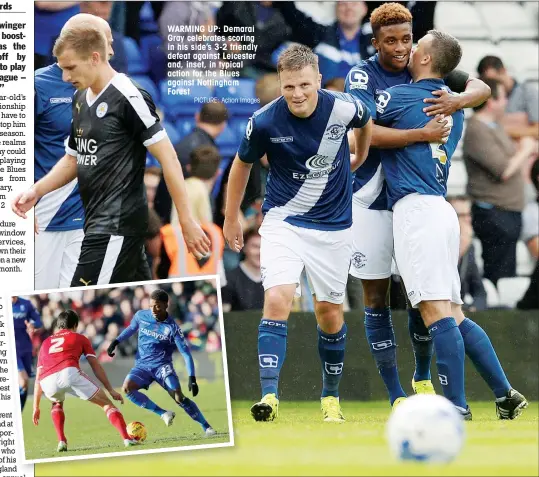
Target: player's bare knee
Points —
{"points": [[433, 311], [457, 313], [128, 387], [278, 302], [329, 316], [376, 293]]}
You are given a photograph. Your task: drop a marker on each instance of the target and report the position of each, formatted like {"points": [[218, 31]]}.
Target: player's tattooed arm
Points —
{"points": [[103, 378], [237, 182], [61, 174], [196, 240], [474, 93], [38, 392]]}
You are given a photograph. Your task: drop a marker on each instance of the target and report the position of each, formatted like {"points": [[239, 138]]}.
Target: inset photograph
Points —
{"points": [[122, 370]]}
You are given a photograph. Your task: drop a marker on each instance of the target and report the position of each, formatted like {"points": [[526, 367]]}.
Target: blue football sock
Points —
{"points": [[422, 345], [381, 338], [480, 350], [194, 412], [271, 353], [449, 359], [23, 394], [143, 401], [331, 351]]}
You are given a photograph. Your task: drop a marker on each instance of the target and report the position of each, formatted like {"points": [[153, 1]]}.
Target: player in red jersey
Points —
{"points": [[58, 372]]}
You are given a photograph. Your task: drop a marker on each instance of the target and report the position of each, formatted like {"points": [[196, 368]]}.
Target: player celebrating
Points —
{"points": [[58, 372], [114, 122], [158, 337], [426, 227], [373, 234], [308, 216], [59, 214], [26, 321]]}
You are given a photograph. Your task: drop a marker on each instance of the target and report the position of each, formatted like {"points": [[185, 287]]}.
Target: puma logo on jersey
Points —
{"points": [[84, 282]]}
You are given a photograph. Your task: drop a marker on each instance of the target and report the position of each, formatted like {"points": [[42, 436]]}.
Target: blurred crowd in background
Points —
{"points": [[494, 179], [104, 313]]}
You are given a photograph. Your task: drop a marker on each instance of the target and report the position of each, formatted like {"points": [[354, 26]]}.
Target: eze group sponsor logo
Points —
{"points": [[382, 100], [335, 132], [318, 162], [316, 174]]}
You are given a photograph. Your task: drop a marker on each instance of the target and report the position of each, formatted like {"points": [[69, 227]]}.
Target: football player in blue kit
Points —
{"points": [[308, 216], [158, 337], [373, 232], [426, 229], [26, 321]]}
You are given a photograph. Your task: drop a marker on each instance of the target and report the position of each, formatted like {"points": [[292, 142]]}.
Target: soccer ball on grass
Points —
{"points": [[137, 431], [425, 428]]}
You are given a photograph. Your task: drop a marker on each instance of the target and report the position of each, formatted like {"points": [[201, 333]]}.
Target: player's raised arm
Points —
{"points": [[130, 330], [473, 92], [61, 174]]}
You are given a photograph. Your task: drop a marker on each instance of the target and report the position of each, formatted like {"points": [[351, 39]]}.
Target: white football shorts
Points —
{"points": [[286, 250], [372, 234], [57, 255], [68, 380], [427, 237]]}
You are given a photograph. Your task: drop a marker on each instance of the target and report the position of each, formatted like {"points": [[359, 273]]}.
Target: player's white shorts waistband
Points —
{"points": [[286, 250], [427, 238], [68, 380]]}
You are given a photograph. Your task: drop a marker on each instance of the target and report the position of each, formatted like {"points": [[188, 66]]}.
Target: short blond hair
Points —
{"points": [[296, 57], [84, 39]]}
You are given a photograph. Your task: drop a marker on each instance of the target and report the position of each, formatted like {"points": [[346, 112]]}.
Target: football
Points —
{"points": [[137, 431], [425, 428]]}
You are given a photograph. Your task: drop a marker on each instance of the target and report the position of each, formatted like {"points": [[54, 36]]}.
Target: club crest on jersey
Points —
{"points": [[101, 109], [166, 331], [335, 132], [358, 260]]}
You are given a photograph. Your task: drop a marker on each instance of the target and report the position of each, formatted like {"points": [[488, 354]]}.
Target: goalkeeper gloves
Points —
{"points": [[193, 386], [112, 346]]}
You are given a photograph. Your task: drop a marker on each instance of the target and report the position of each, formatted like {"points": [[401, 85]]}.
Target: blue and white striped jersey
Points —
{"points": [[310, 182]]}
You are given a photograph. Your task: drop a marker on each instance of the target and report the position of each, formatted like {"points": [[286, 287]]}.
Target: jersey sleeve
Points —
{"points": [[87, 348], [183, 348], [71, 145], [35, 317], [252, 146], [360, 86], [362, 116], [141, 117], [457, 80], [130, 330]]}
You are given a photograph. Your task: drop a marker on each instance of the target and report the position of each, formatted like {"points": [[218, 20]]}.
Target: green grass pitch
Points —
{"points": [[89, 432], [299, 443]]}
